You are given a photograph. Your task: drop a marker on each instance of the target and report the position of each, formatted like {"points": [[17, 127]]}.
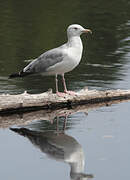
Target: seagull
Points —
{"points": [[60, 60]]}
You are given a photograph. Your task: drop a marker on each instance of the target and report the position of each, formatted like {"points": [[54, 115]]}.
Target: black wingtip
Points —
{"points": [[14, 75], [14, 129], [20, 74], [21, 131]]}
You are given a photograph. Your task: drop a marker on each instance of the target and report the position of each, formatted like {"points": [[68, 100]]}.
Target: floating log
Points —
{"points": [[49, 101]]}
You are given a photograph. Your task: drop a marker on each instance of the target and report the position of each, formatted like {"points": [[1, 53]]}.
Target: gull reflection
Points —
{"points": [[59, 146]]}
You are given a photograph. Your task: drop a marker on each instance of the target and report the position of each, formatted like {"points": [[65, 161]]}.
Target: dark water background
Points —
{"points": [[27, 29]]}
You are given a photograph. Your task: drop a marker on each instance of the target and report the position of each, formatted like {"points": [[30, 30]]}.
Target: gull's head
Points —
{"points": [[76, 30]]}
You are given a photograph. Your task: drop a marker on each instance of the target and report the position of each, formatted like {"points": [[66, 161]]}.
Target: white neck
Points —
{"points": [[77, 167], [75, 41]]}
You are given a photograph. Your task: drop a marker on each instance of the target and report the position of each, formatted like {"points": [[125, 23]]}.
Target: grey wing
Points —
{"points": [[43, 62]]}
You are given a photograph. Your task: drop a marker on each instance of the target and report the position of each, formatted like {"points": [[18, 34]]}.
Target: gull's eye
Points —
{"points": [[75, 28]]}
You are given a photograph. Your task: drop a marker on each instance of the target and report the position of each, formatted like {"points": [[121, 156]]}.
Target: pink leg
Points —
{"points": [[65, 88], [64, 83], [65, 122], [57, 91]]}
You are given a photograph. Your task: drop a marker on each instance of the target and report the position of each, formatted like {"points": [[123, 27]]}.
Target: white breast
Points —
{"points": [[73, 53]]}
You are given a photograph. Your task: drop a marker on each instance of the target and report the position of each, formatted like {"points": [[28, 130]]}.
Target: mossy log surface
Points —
{"points": [[49, 101]]}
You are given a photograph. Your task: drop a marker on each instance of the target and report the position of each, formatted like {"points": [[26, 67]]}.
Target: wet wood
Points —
{"points": [[49, 101]]}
